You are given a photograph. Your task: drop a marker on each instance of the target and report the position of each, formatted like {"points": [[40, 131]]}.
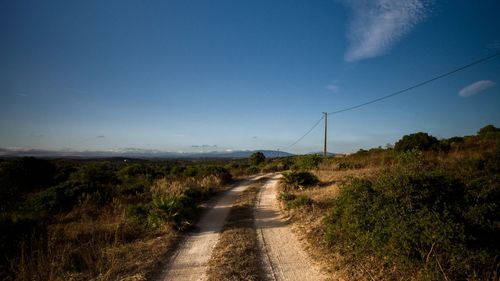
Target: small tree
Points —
{"points": [[257, 157], [489, 132], [420, 141]]}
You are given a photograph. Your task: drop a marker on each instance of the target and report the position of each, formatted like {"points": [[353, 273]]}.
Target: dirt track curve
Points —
{"points": [[282, 254], [189, 262]]}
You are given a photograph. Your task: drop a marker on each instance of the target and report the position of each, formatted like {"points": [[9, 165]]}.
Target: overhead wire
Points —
{"points": [[395, 94], [416, 85], [304, 135]]}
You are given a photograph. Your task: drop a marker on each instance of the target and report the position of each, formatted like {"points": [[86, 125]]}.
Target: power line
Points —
{"points": [[416, 85], [303, 136], [394, 94]]}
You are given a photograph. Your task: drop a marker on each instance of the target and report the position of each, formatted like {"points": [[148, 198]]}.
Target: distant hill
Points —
{"points": [[138, 153]]}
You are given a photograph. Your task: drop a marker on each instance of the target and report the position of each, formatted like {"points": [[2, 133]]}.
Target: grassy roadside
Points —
{"points": [[413, 216], [238, 261], [98, 220]]}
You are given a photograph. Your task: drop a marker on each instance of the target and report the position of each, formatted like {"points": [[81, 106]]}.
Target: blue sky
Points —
{"points": [[217, 75]]}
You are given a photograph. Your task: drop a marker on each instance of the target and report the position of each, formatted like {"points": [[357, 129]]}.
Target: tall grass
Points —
{"points": [[105, 226]]}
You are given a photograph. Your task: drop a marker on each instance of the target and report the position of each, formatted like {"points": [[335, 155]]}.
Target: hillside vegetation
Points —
{"points": [[100, 219], [426, 209]]}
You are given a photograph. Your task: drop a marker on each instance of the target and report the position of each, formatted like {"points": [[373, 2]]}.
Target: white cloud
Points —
{"points": [[376, 25], [476, 88], [333, 87]]}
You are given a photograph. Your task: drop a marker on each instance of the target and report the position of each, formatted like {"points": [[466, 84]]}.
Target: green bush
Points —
{"points": [[298, 202], [424, 221], [307, 162], [292, 201], [489, 132], [286, 196], [298, 180], [257, 158], [220, 172], [274, 166], [178, 210], [98, 180], [253, 170], [420, 141]]}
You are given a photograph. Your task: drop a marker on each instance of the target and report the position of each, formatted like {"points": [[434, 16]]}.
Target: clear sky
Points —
{"points": [[214, 75]]}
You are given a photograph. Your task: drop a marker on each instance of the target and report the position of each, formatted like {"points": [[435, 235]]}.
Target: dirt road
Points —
{"points": [[282, 254], [189, 262]]}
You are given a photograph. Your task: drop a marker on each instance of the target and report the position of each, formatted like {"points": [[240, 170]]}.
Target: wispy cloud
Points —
{"points": [[333, 87], [476, 88], [376, 25]]}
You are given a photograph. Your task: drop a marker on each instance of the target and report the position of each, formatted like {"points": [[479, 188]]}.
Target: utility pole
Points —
{"points": [[326, 133], [278, 153]]}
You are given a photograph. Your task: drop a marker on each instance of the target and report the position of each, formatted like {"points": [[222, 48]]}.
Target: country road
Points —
{"points": [[282, 257]]}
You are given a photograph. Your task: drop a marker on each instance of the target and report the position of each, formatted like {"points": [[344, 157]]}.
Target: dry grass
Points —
{"points": [[307, 220], [175, 187], [92, 243], [95, 242], [238, 261]]}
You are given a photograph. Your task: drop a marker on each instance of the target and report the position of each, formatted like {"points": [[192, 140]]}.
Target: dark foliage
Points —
{"points": [[22, 176], [298, 180], [257, 158], [423, 220], [420, 141], [489, 132]]}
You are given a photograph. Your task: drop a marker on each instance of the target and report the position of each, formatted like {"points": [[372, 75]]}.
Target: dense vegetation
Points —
{"points": [[77, 219], [436, 220], [426, 210]]}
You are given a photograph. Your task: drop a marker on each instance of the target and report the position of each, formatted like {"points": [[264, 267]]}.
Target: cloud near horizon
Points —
{"points": [[376, 25], [476, 88]]}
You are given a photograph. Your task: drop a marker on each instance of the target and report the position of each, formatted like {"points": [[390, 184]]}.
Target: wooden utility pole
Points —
{"points": [[326, 133]]}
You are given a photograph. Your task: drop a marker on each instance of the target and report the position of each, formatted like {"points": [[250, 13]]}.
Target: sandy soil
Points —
{"points": [[282, 254], [190, 260]]}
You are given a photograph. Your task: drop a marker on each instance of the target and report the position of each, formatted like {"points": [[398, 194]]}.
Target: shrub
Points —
{"points": [[298, 180], [257, 158], [253, 170], [307, 162], [299, 201], [21, 176], [489, 132], [420, 141], [176, 209], [222, 174], [292, 201], [424, 221], [274, 166], [348, 165], [286, 196]]}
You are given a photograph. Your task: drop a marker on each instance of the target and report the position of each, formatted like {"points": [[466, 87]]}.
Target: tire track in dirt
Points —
{"points": [[189, 261], [282, 254]]}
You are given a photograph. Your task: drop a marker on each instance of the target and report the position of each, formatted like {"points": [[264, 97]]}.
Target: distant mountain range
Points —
{"points": [[138, 153]]}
